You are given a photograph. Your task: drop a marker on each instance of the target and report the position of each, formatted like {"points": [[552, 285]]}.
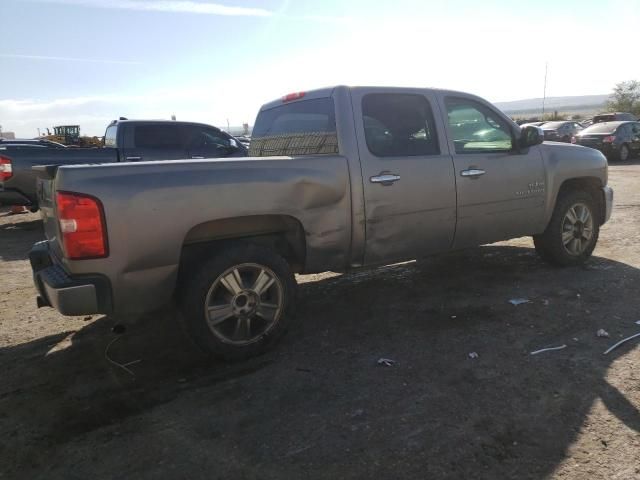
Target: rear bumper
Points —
{"points": [[70, 295], [608, 202], [608, 150]]}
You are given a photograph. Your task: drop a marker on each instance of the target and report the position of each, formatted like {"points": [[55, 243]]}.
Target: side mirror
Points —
{"points": [[530, 136]]}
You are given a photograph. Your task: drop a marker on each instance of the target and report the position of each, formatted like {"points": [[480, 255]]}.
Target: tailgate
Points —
{"points": [[45, 191]]}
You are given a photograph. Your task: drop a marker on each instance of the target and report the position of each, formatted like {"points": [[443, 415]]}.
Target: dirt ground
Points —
{"points": [[319, 406]]}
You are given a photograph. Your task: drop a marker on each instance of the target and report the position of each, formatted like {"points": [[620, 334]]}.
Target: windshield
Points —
{"points": [[601, 128]]}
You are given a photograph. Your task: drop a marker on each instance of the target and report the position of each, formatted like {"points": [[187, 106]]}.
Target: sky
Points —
{"points": [[88, 62]]}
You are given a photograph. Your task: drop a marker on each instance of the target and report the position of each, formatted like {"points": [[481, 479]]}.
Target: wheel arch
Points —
{"points": [[282, 233], [592, 185]]}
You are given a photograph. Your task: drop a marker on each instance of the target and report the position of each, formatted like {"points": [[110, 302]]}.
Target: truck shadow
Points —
{"points": [[322, 399]]}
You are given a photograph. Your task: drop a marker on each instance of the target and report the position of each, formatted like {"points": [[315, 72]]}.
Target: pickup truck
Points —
{"points": [[125, 141], [339, 178]]}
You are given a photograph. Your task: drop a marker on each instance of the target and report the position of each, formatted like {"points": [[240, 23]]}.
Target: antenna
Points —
{"points": [[544, 92]]}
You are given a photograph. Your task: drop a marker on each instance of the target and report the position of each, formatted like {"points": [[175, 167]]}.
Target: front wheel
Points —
{"points": [[572, 233], [240, 302]]}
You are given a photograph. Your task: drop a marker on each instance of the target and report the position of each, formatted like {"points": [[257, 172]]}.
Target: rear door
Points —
{"points": [[500, 191], [407, 172], [154, 141]]}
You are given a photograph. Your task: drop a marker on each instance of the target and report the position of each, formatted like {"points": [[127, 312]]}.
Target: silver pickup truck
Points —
{"points": [[337, 179]]}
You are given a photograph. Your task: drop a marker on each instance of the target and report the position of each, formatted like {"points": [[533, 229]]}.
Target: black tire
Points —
{"points": [[550, 245], [566, 139], [623, 153], [205, 280]]}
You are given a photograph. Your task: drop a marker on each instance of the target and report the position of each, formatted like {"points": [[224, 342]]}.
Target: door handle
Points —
{"points": [[385, 178], [133, 159], [472, 172]]}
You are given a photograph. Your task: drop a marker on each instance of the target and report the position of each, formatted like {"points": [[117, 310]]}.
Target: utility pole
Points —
{"points": [[544, 92]]}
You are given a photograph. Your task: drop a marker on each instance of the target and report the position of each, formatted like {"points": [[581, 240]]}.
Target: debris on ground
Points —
{"points": [[386, 362], [518, 301], [123, 366], [473, 355], [602, 333], [18, 209], [624, 340], [548, 349]]}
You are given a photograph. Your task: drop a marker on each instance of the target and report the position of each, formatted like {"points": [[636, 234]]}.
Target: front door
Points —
{"points": [[408, 176], [501, 191]]}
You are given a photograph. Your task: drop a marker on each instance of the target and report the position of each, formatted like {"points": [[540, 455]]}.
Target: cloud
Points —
{"points": [[68, 59], [172, 6]]}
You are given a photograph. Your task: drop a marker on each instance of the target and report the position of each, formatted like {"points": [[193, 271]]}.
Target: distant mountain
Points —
{"points": [[573, 104]]}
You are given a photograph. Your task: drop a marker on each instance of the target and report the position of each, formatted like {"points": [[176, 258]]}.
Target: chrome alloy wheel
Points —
{"points": [[244, 303], [577, 229]]}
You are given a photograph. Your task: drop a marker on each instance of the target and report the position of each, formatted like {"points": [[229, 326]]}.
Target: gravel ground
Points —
{"points": [[319, 406]]}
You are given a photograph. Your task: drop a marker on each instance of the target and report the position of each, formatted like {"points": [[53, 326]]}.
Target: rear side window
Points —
{"points": [[158, 136], [398, 125], [299, 128], [110, 136], [604, 118]]}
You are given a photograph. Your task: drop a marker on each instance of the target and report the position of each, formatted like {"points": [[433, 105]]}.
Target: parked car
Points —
{"points": [[561, 131], [244, 140], [532, 124], [38, 142], [617, 140], [614, 117], [361, 176], [125, 141]]}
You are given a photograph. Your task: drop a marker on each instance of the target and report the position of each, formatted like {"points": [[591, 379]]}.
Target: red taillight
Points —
{"points": [[6, 171], [609, 139], [81, 219], [293, 96]]}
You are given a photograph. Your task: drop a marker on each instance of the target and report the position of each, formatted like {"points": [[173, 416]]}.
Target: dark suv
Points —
{"points": [[614, 117], [617, 140], [562, 131]]}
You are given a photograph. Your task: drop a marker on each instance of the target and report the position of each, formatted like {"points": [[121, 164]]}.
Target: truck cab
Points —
{"points": [[140, 140]]}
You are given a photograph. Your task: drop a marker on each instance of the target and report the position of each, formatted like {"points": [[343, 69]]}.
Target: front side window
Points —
{"points": [[208, 138], [399, 125], [475, 128], [158, 136]]}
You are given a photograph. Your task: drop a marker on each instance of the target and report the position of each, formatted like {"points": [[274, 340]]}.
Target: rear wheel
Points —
{"points": [[573, 231], [623, 153], [240, 302]]}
